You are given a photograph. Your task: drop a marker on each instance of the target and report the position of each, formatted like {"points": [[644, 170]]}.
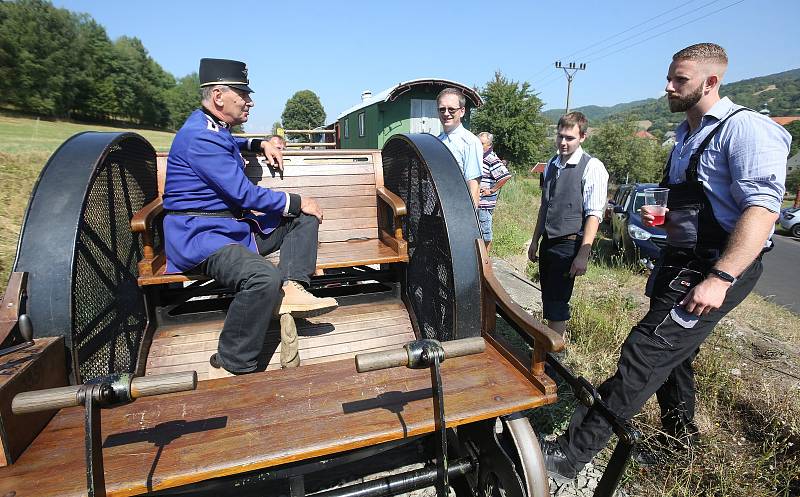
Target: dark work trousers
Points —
{"points": [[555, 260], [657, 356], [257, 283]]}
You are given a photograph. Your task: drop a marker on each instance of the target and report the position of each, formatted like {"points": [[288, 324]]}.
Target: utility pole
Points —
{"points": [[569, 71]]}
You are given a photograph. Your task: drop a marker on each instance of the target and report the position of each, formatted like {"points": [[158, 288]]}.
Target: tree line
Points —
{"points": [[524, 135], [54, 62]]}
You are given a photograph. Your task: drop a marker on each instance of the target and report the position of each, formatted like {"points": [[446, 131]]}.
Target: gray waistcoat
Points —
{"points": [[562, 198]]}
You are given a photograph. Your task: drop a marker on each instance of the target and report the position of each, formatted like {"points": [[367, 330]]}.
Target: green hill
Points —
{"points": [[596, 112], [780, 92]]}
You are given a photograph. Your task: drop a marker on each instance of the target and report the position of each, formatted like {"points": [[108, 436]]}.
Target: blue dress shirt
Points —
{"points": [[467, 150], [743, 165]]}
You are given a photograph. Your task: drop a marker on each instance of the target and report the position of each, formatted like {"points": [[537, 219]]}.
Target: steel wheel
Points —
{"points": [[510, 461], [80, 255]]}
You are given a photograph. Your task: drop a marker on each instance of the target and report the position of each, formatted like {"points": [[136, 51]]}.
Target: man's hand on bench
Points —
{"points": [[273, 155], [310, 206]]}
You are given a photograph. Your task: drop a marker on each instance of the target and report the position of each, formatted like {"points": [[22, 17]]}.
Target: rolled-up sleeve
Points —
{"points": [[595, 189], [757, 154]]}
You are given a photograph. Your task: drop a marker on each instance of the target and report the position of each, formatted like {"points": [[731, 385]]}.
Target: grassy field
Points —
{"points": [[25, 146], [748, 373], [23, 135]]}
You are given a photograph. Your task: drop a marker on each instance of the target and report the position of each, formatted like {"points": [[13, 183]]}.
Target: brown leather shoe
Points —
{"points": [[298, 302]]}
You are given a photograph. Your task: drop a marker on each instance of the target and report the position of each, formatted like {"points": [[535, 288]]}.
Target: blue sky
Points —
{"points": [[340, 48]]}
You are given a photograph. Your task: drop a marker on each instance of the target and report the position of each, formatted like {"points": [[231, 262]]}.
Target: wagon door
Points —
{"points": [[424, 118]]}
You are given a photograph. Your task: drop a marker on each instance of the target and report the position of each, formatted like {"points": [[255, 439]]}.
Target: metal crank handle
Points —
{"points": [[374, 361], [73, 395]]}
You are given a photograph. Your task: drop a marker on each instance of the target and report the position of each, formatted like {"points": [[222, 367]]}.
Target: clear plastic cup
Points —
{"points": [[655, 204]]}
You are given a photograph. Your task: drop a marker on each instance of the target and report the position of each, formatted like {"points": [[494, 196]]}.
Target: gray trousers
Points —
{"points": [[257, 283]]}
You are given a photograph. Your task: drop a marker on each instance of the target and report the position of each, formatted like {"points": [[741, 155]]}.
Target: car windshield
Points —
{"points": [[638, 202]]}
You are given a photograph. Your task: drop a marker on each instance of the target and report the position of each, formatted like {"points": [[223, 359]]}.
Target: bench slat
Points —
{"points": [[330, 169], [344, 314], [319, 192], [300, 181]]}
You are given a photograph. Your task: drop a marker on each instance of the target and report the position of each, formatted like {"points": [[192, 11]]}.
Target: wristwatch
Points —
{"points": [[722, 275]]}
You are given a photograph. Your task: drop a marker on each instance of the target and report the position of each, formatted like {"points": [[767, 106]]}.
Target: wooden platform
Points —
{"points": [[360, 324], [232, 425]]}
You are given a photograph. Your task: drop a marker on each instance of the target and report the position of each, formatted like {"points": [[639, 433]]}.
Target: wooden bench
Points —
{"points": [[348, 185]]}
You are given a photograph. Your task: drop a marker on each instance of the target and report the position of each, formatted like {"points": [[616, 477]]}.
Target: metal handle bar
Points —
{"points": [[73, 395], [385, 359]]}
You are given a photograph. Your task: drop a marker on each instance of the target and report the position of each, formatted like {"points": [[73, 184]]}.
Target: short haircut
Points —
{"points": [[489, 137], [279, 137], [462, 101], [206, 91], [703, 52], [574, 119]]}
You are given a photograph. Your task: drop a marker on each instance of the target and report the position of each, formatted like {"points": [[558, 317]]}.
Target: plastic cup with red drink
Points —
{"points": [[655, 204]]}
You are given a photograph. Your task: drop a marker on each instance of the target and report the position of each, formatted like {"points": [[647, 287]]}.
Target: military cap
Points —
{"points": [[224, 72]]}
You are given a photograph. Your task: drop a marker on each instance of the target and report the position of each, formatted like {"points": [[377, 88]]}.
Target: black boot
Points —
{"points": [[555, 461]]}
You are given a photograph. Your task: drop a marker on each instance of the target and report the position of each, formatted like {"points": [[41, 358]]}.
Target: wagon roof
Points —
{"points": [[390, 94]]}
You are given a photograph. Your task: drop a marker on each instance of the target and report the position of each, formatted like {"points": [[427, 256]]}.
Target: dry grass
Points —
{"points": [[26, 146], [18, 173]]}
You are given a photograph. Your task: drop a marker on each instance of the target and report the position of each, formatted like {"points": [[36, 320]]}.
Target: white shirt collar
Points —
{"points": [[459, 130], [574, 158]]}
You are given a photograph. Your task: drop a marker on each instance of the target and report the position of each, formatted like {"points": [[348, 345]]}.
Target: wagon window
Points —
{"points": [[347, 127], [361, 125]]}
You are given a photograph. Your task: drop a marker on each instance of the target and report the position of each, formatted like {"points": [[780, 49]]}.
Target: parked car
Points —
{"points": [[636, 241], [790, 220], [616, 199]]}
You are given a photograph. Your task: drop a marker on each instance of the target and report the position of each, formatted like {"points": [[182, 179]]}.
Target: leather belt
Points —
{"points": [[564, 237], [193, 212]]}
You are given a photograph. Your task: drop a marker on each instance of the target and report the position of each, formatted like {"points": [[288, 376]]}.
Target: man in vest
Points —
{"points": [[210, 226], [464, 146], [726, 182], [573, 198]]}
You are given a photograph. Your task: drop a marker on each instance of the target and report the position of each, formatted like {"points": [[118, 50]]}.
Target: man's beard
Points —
{"points": [[682, 104]]}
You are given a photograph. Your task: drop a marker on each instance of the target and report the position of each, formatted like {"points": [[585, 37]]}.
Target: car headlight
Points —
{"points": [[638, 233]]}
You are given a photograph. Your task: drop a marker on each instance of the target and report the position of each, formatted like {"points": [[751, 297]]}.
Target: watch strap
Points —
{"points": [[722, 275]]}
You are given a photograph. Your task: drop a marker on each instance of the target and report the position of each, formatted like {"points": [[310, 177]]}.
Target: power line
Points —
{"points": [[593, 45], [669, 30], [669, 21]]}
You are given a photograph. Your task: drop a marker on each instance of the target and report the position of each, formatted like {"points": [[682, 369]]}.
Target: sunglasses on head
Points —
{"points": [[449, 110]]}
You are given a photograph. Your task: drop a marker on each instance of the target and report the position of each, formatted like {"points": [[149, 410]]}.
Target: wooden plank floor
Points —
{"points": [[233, 425], [360, 324]]}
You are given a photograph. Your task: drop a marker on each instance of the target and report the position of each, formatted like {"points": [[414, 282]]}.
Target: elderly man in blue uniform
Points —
{"points": [[465, 147], [726, 181], [574, 188], [220, 224]]}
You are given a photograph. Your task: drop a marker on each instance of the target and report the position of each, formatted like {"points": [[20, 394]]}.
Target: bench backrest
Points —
{"points": [[343, 182]]}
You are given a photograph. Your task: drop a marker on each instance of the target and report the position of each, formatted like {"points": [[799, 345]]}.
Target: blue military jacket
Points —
{"points": [[205, 171]]}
